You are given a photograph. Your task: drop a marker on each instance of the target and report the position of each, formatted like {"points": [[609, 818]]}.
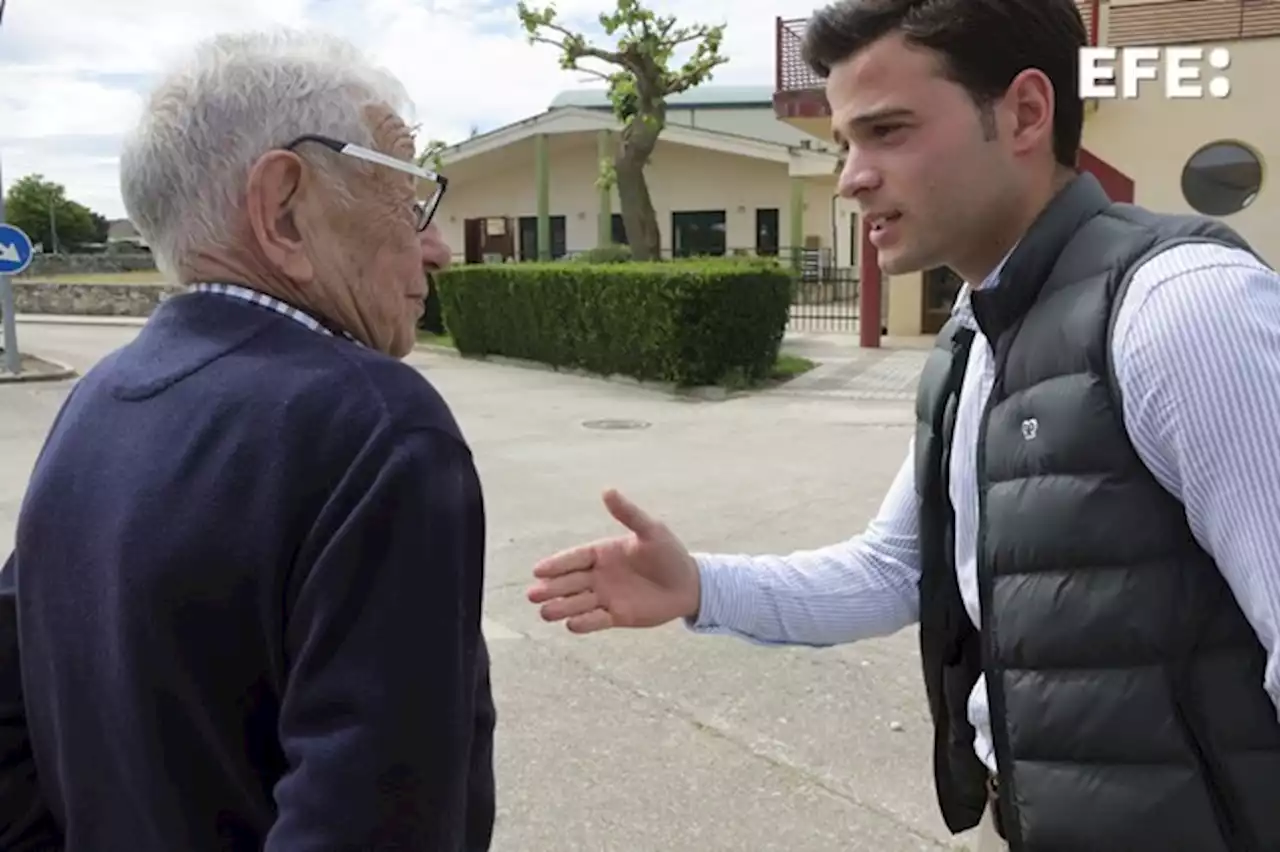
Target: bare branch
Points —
{"points": [[574, 43], [688, 38], [608, 78]]}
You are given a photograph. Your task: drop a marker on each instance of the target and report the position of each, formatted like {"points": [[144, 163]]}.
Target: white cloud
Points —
{"points": [[72, 72]]}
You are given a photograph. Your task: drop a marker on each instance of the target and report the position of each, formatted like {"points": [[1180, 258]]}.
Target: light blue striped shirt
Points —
{"points": [[1197, 356]]}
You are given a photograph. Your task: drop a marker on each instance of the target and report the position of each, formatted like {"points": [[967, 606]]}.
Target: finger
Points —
{"points": [[590, 622], [560, 587], [571, 607], [566, 562], [627, 513]]}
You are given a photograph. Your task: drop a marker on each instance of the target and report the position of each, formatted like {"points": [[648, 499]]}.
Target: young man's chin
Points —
{"points": [[899, 263]]}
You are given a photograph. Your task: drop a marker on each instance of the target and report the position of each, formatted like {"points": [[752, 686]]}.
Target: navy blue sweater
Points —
{"points": [[249, 574]]}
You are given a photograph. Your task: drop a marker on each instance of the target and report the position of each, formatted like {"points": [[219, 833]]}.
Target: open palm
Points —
{"points": [[640, 579]]}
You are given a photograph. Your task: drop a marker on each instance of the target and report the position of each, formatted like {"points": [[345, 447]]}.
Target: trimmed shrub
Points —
{"points": [[432, 320], [690, 323], [605, 254]]}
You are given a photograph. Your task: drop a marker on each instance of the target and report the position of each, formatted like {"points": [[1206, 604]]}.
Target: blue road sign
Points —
{"points": [[15, 250]]}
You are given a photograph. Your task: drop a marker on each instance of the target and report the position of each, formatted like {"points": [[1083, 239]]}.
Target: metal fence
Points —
{"points": [[825, 299]]}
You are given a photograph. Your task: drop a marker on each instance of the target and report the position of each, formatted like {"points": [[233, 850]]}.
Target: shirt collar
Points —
{"points": [[271, 303], [963, 307]]}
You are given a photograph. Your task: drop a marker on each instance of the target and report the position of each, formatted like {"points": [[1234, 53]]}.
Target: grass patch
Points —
{"points": [[787, 367], [144, 277]]}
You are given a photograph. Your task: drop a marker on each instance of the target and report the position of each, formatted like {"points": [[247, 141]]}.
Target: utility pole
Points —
{"points": [[12, 360]]}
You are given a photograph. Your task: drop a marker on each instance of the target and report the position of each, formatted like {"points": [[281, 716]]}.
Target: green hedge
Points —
{"points": [[692, 323]]}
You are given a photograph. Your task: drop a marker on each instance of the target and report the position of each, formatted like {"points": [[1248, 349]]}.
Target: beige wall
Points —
{"points": [[680, 178], [1151, 138]]}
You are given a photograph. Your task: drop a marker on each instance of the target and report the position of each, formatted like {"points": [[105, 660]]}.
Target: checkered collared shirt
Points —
{"points": [[262, 300]]}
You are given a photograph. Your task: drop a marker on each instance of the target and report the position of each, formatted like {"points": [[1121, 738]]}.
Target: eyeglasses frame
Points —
{"points": [[425, 212]]}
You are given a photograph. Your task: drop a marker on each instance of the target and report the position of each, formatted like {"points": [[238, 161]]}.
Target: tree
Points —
{"points": [[638, 89], [430, 156], [42, 209], [101, 227]]}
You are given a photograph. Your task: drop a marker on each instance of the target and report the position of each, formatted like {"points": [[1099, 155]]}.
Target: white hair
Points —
{"points": [[184, 168]]}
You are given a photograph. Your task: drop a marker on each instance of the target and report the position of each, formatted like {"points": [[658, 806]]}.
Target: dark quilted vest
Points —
{"points": [[1125, 683]]}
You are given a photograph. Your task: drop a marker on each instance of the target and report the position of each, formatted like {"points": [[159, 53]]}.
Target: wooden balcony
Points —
{"points": [[1141, 23]]}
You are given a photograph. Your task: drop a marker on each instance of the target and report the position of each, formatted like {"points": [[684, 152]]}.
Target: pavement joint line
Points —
{"points": [[728, 735], [495, 631], [502, 587]]}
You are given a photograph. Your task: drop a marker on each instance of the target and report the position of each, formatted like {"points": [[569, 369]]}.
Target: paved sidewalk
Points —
{"points": [[846, 371], [655, 741]]}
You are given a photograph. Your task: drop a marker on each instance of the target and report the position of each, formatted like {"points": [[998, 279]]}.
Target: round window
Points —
{"points": [[1221, 178]]}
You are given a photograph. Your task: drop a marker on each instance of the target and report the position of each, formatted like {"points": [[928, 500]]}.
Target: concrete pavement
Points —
{"points": [[655, 741]]}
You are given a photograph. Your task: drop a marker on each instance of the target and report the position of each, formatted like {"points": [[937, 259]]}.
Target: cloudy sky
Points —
{"points": [[73, 72]]}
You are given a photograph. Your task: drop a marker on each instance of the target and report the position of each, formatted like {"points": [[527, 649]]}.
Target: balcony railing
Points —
{"points": [[1158, 23], [792, 72]]}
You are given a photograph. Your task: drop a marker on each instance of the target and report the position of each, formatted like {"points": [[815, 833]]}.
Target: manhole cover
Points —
{"points": [[615, 423]]}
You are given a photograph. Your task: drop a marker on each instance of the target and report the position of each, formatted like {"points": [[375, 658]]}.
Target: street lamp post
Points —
{"points": [[12, 360]]}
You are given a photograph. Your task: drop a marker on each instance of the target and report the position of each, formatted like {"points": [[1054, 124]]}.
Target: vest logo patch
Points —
{"points": [[1030, 427]]}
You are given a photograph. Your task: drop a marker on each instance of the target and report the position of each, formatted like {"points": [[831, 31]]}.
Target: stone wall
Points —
{"points": [[103, 300], [44, 265]]}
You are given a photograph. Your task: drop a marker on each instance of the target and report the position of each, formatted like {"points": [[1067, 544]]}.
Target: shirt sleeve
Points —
{"points": [[860, 588], [386, 716], [1197, 360]]}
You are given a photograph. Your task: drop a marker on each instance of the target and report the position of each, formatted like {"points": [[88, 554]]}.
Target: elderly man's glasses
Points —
{"points": [[423, 211]]}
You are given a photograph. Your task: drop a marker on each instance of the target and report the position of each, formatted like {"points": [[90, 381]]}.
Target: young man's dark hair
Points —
{"points": [[983, 45]]}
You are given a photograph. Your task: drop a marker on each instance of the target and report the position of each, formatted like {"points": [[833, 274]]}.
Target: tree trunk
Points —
{"points": [[638, 216]]}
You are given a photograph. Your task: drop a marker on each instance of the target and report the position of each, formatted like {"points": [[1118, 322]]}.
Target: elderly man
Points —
{"points": [[249, 565]]}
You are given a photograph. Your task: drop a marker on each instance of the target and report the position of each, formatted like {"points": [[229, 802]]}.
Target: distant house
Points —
{"points": [[121, 233], [726, 178]]}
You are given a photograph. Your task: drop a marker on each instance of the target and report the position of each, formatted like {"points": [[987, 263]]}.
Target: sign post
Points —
{"points": [[15, 243], [15, 256]]}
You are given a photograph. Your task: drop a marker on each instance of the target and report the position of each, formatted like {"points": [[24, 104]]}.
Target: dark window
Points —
{"points": [[767, 231], [529, 238], [618, 230], [700, 232], [1221, 178]]}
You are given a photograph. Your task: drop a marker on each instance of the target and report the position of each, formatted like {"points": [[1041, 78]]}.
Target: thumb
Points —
{"points": [[628, 514]]}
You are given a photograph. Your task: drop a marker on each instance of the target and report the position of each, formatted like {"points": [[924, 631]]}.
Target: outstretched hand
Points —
{"points": [[641, 579]]}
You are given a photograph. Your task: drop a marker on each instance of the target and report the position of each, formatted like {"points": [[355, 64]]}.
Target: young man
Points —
{"points": [[1086, 523]]}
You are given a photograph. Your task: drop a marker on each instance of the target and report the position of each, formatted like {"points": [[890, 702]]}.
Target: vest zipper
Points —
{"points": [[986, 582]]}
